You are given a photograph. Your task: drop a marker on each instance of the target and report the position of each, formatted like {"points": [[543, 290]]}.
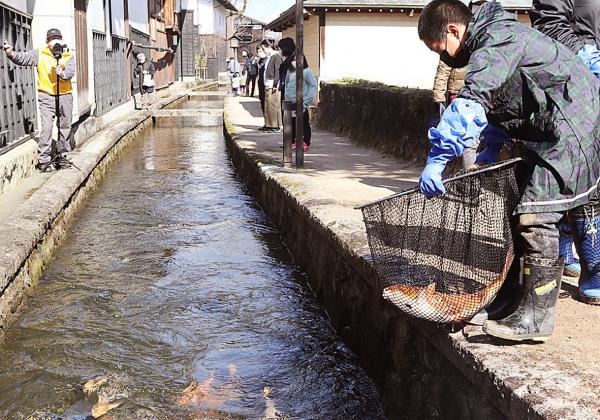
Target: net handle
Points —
{"points": [[485, 169]]}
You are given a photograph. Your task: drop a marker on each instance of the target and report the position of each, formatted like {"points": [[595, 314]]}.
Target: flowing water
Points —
{"points": [[174, 288]]}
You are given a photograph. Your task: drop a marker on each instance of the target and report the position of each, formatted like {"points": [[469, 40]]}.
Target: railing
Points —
{"points": [[111, 67], [18, 111]]}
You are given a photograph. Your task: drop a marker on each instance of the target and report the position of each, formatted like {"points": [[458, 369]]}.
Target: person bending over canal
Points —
{"points": [[576, 23], [54, 96], [523, 84]]}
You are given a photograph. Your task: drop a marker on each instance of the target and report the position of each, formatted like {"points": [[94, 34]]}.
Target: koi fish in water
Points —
{"points": [[427, 303]]}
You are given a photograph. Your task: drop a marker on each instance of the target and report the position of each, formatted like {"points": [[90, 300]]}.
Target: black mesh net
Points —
{"points": [[444, 259]]}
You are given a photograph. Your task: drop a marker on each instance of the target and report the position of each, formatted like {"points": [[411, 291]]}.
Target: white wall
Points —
{"points": [[220, 21], [205, 16], [138, 15], [118, 17], [95, 15], [20, 5], [382, 47]]}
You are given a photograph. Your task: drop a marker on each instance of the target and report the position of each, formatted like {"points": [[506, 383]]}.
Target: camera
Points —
{"points": [[58, 49]]}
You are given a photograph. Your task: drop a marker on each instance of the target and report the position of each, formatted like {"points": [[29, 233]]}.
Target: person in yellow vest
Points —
{"points": [[55, 69]]}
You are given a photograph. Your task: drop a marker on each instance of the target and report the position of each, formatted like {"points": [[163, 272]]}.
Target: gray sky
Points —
{"points": [[267, 10]]}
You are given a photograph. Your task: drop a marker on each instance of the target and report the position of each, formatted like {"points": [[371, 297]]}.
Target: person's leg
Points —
{"points": [[253, 80], [269, 108], [293, 132], [279, 110], [47, 105], [585, 225], [307, 129], [63, 145], [565, 242], [541, 274]]}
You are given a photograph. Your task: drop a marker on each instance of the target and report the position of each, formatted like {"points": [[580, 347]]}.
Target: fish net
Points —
{"points": [[444, 259]]}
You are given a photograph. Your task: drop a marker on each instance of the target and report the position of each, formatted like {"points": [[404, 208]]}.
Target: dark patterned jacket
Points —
{"points": [[572, 22], [543, 95]]}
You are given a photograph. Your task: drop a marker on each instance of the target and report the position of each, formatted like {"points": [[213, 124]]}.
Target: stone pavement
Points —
{"points": [[558, 379]]}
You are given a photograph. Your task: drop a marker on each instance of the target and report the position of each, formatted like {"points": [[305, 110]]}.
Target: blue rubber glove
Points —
{"points": [[591, 57], [489, 154], [430, 183], [462, 123], [494, 139], [431, 180]]}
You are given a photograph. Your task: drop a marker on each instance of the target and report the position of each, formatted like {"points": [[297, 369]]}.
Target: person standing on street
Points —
{"points": [[272, 94], [55, 69], [576, 24], [145, 70], [251, 72]]}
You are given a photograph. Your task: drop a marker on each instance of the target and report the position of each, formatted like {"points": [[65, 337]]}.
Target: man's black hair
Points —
{"points": [[288, 46], [438, 14]]}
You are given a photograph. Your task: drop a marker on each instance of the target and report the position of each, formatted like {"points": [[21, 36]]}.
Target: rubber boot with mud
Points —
{"points": [[585, 223], [507, 299], [565, 246], [534, 317]]}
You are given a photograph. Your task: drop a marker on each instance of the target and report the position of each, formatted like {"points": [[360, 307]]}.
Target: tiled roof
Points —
{"points": [[518, 4], [287, 18]]}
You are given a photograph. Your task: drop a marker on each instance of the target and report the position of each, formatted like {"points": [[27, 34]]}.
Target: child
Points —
{"points": [[235, 83], [538, 92], [243, 79]]}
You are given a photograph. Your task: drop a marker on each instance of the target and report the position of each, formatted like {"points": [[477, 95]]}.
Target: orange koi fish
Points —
{"points": [[427, 303]]}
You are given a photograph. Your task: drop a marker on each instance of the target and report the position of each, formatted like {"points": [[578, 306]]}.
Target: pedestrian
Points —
{"points": [[250, 71], [273, 116], [260, 63], [576, 23], [55, 69], [527, 86], [446, 85], [235, 84], [310, 92], [233, 67], [287, 47], [242, 89], [145, 70]]}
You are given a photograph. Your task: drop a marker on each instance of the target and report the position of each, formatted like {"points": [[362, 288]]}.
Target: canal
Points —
{"points": [[173, 291]]}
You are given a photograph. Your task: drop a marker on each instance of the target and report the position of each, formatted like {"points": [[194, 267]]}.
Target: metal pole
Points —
{"points": [[299, 83]]}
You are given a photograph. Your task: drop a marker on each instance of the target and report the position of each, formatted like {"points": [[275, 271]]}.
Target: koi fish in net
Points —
{"points": [[427, 303]]}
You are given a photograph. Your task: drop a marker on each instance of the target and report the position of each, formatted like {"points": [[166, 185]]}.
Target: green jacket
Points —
{"points": [[543, 95]]}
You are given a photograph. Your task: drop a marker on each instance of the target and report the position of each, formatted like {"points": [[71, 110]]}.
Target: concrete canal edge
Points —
{"points": [[421, 370], [30, 236]]}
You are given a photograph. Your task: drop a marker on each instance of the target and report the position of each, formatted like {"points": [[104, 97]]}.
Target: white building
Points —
{"points": [[371, 40]]}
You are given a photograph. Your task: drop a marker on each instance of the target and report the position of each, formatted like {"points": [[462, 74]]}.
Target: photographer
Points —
{"points": [[55, 69]]}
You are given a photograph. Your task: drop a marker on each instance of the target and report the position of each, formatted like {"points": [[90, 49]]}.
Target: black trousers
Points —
{"points": [[251, 80], [307, 129], [261, 95]]}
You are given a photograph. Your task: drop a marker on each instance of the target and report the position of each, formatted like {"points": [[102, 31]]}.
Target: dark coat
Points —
{"points": [[572, 22], [543, 95]]}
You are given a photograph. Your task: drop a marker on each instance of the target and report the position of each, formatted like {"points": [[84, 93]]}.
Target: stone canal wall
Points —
{"points": [[38, 224]]}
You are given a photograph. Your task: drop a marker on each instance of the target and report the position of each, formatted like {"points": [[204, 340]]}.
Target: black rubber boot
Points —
{"points": [[506, 301], [534, 317]]}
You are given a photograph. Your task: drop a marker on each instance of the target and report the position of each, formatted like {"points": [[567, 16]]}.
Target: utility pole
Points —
{"points": [[299, 83]]}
